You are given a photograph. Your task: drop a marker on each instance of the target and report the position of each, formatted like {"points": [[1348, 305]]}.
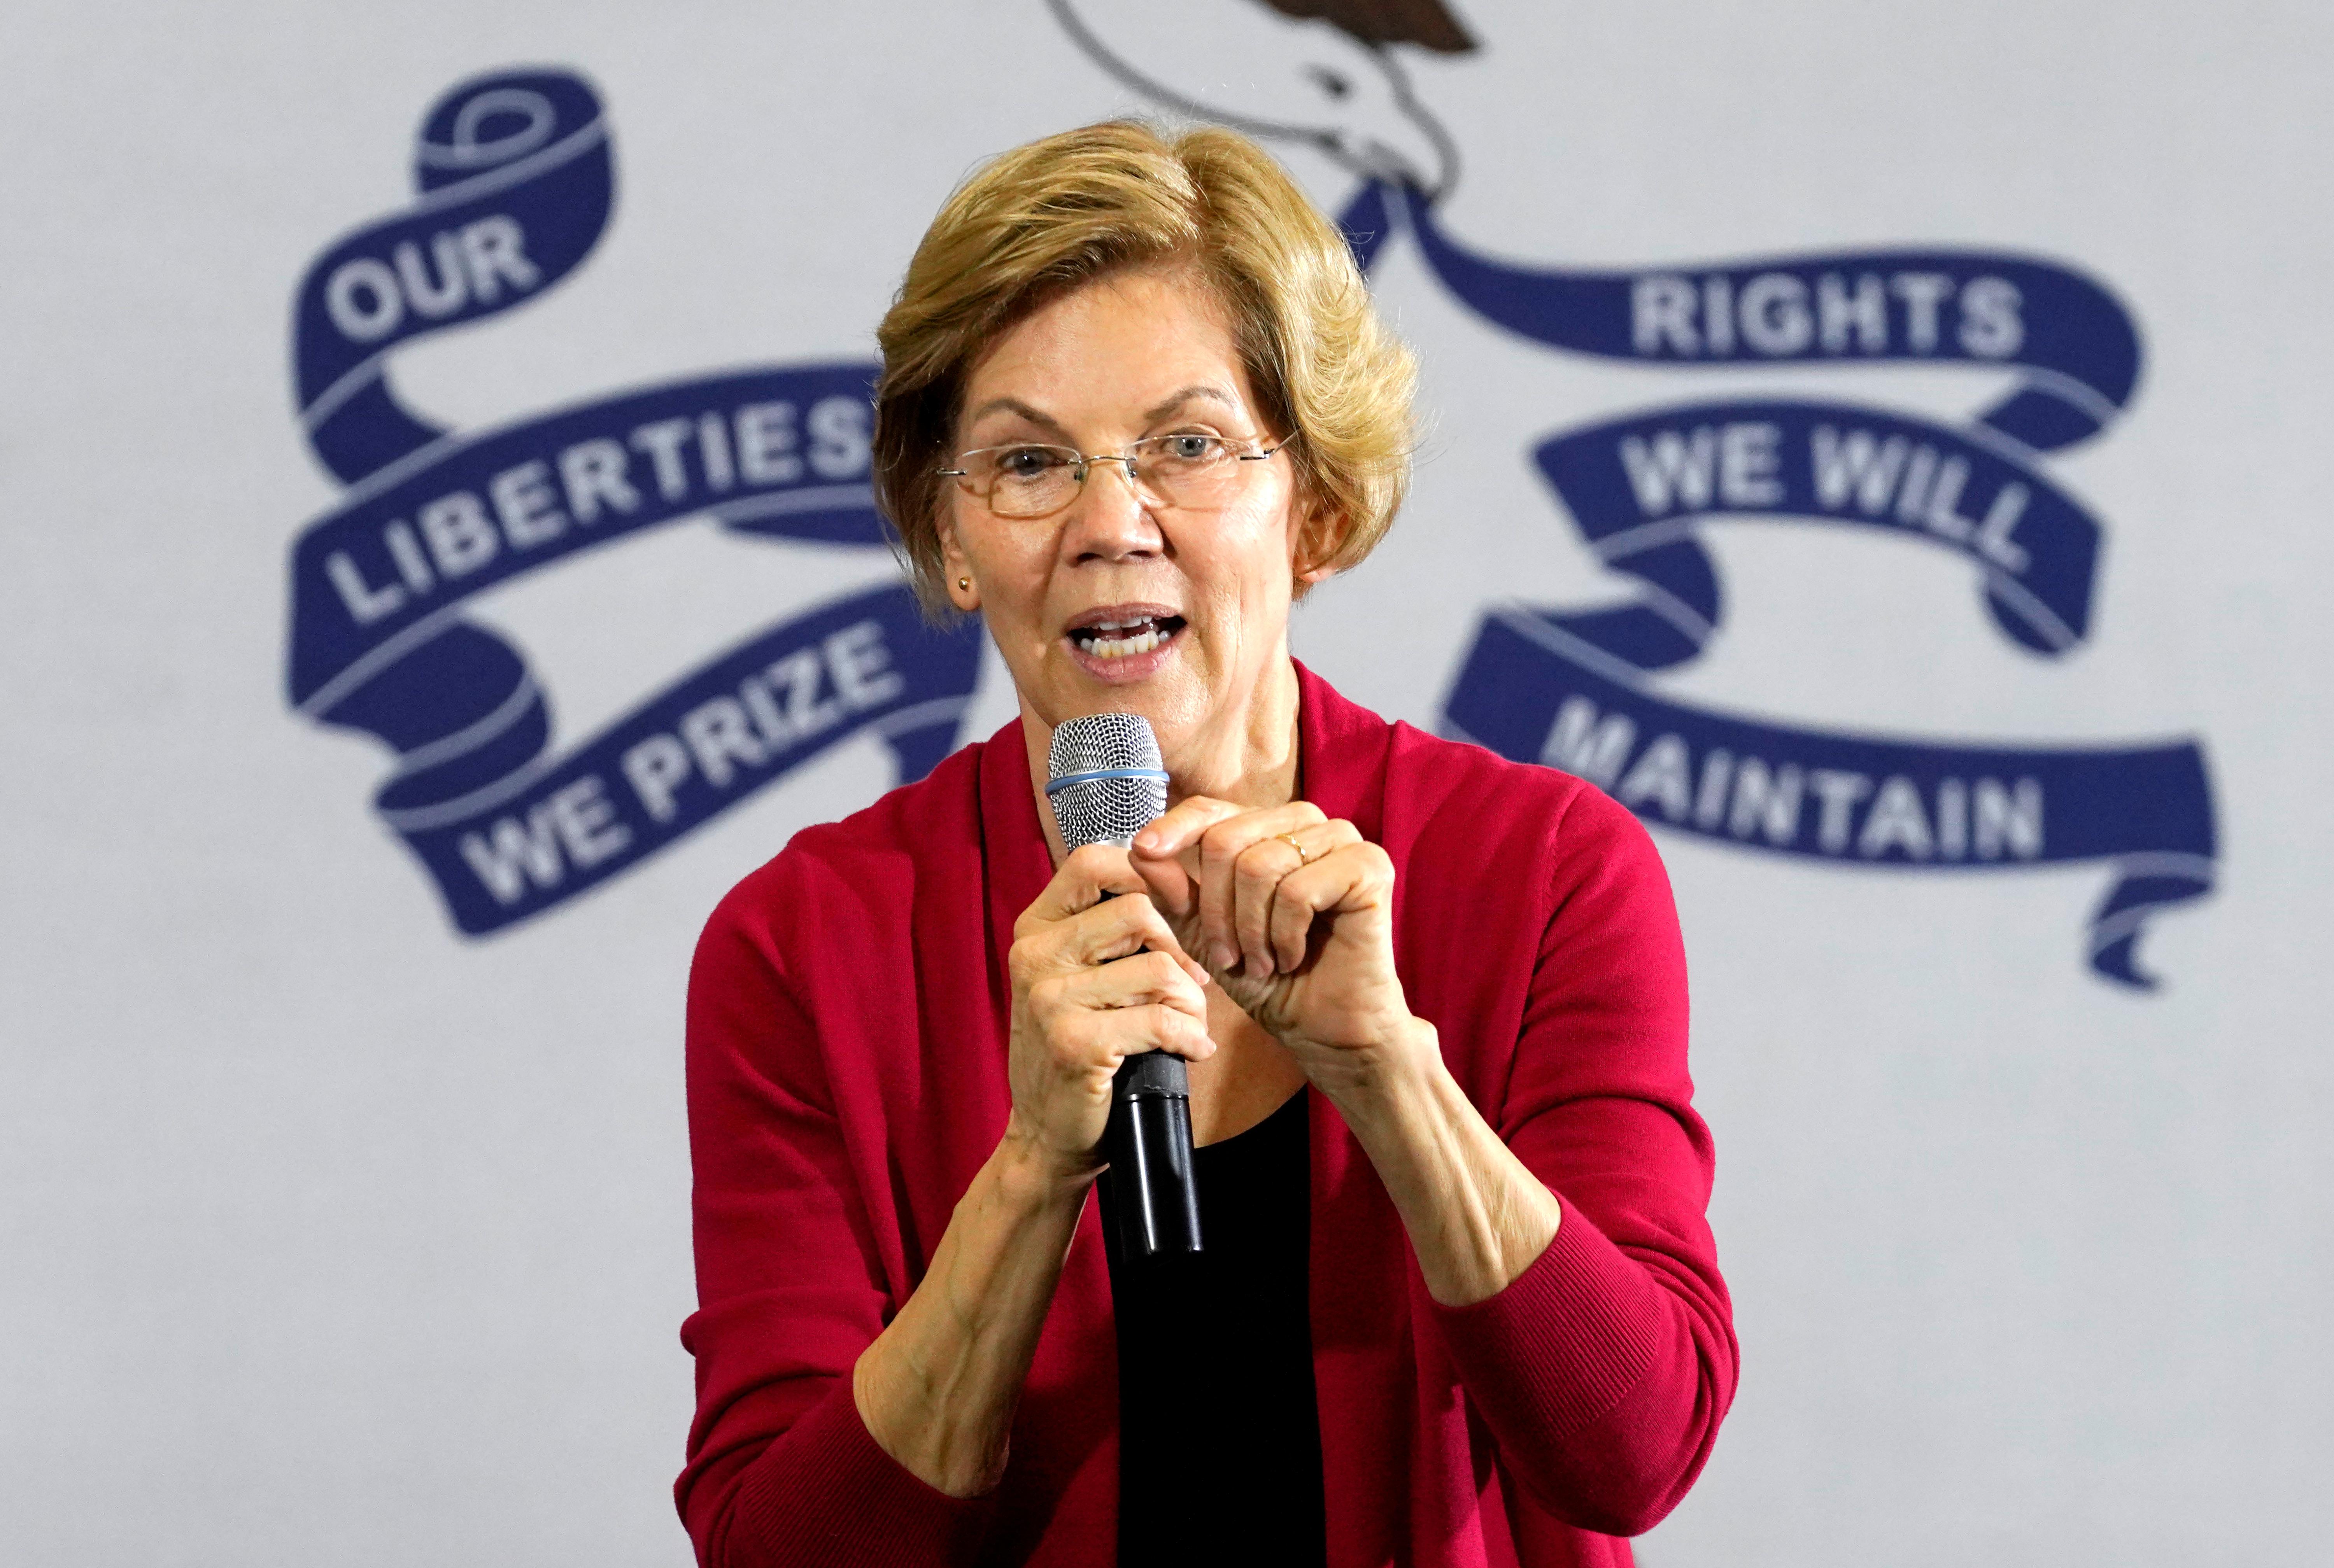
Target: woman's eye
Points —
{"points": [[1026, 462], [1189, 449]]}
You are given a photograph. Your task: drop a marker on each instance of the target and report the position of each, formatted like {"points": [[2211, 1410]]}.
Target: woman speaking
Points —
{"points": [[1458, 1303]]}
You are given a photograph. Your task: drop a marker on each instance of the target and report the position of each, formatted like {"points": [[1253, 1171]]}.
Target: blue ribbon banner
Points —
{"points": [[517, 184], [1531, 689], [1570, 688]]}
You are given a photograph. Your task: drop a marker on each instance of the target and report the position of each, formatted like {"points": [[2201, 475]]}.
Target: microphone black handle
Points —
{"points": [[1148, 1143]]}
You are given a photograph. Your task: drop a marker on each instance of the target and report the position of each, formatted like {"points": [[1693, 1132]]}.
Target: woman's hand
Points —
{"points": [[1293, 915], [1096, 980]]}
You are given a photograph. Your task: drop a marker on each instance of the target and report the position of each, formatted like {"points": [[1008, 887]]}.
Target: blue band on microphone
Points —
{"points": [[1057, 785]]}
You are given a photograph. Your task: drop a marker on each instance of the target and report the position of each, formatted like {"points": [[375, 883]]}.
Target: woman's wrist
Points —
{"points": [[1476, 1215], [938, 1386], [1371, 1084], [1028, 1176]]}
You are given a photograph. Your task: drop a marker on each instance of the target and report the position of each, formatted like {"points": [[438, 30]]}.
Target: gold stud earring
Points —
{"points": [[965, 584]]}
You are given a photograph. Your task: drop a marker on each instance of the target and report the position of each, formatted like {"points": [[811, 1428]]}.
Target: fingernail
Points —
{"points": [[1222, 956]]}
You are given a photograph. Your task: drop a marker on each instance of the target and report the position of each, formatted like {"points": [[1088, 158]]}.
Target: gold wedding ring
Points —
{"points": [[1290, 840]]}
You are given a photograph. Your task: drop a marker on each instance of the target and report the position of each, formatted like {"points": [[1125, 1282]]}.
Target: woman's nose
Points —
{"points": [[1110, 520]]}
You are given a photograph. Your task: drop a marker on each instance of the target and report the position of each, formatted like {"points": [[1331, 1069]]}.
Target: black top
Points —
{"points": [[1219, 1439]]}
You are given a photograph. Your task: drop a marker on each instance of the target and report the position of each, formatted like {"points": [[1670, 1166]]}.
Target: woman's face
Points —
{"points": [[1114, 602]]}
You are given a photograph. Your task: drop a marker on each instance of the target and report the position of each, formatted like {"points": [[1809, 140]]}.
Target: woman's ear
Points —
{"points": [[1318, 538], [963, 592]]}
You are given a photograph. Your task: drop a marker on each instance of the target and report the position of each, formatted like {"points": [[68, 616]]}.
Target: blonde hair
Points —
{"points": [[1045, 219]]}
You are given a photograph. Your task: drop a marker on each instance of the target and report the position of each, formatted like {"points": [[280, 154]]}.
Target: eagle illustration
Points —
{"points": [[1320, 72]]}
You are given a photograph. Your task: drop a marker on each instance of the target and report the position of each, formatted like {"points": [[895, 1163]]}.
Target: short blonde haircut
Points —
{"points": [[1045, 219]]}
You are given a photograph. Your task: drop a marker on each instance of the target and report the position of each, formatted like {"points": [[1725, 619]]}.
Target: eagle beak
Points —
{"points": [[1396, 139]]}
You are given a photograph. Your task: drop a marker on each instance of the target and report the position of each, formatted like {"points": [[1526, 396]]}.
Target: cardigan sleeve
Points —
{"points": [[781, 1469], [1604, 1370]]}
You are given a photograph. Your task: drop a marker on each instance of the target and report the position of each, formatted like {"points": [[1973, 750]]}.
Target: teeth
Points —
{"points": [[1119, 647]]}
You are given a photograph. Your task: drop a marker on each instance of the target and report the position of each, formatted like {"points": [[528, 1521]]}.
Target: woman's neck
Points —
{"points": [[1246, 753]]}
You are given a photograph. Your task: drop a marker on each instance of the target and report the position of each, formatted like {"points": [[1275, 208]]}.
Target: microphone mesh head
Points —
{"points": [[1093, 811]]}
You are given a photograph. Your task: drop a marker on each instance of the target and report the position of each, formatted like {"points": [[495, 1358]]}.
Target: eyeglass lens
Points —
{"points": [[1193, 472]]}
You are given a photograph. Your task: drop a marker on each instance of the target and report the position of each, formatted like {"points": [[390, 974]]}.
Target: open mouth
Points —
{"points": [[1125, 636]]}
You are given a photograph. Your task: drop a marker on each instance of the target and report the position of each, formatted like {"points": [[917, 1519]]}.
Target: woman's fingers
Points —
{"points": [[1132, 1030], [1122, 926], [1092, 879], [1139, 980], [1354, 876], [1222, 849], [1086, 877], [1228, 860], [1267, 907], [1144, 1003], [1167, 853], [1095, 935], [1172, 887], [1177, 829], [1096, 979]]}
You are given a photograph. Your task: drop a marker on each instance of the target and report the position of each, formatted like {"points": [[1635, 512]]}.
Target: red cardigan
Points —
{"points": [[848, 1017]]}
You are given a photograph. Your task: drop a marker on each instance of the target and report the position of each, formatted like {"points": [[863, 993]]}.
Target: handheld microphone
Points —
{"points": [[1106, 785]]}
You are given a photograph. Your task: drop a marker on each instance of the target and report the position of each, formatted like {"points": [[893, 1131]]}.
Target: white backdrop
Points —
{"points": [[332, 1235]]}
